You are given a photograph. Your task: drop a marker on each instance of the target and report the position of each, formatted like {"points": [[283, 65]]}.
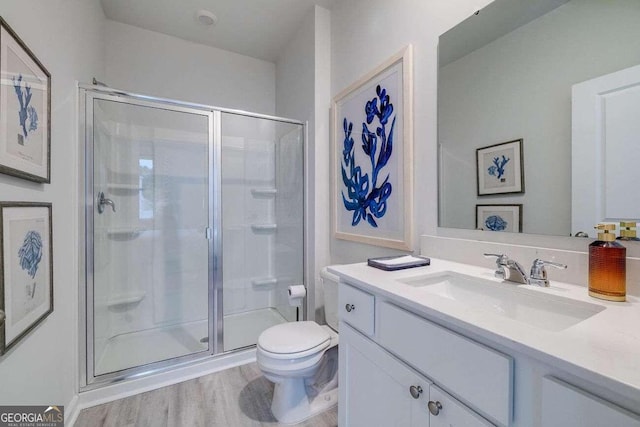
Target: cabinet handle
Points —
{"points": [[434, 407], [349, 308], [415, 391]]}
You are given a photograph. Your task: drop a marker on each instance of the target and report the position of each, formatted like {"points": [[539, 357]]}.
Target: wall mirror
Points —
{"points": [[562, 77]]}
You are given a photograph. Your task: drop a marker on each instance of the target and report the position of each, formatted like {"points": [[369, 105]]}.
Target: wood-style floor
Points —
{"points": [[236, 397]]}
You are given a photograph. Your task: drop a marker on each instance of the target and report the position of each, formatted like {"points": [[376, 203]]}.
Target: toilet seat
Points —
{"points": [[294, 340], [293, 349]]}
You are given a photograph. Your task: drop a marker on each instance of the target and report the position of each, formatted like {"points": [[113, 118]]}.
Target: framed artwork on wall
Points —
{"points": [[372, 186], [25, 110], [500, 168], [507, 218], [26, 269]]}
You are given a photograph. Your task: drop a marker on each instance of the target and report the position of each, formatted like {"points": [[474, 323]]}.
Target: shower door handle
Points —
{"points": [[102, 201]]}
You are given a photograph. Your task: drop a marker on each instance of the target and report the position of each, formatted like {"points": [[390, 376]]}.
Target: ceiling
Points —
{"points": [[256, 28]]}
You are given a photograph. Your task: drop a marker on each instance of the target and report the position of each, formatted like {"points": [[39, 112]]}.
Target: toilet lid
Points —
{"points": [[293, 337]]}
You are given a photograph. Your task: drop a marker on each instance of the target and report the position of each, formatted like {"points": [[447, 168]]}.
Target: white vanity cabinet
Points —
{"points": [[406, 350], [377, 388]]}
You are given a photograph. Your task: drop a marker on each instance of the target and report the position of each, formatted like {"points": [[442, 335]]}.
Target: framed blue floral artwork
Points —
{"points": [[506, 218], [500, 168], [26, 269], [372, 176], [25, 110]]}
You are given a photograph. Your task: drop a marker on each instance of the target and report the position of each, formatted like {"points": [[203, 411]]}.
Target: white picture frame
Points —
{"points": [[372, 156]]}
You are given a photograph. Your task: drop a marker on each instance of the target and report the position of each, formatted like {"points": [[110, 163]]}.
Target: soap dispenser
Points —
{"points": [[607, 266]]}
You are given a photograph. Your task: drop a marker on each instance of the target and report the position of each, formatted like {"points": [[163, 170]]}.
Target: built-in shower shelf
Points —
{"points": [[126, 187], [264, 192], [264, 228], [122, 301], [264, 282], [120, 233]]}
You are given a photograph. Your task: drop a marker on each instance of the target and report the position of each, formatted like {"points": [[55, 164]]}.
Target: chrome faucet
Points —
{"points": [[538, 274], [508, 269]]}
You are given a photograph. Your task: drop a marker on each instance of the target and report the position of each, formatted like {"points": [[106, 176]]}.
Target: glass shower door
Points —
{"points": [[262, 224], [150, 221]]}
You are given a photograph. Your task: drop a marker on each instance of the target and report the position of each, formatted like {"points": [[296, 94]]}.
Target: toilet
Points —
{"points": [[301, 359]]}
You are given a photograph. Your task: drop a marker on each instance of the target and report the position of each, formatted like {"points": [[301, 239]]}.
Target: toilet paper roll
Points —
{"points": [[296, 295]]}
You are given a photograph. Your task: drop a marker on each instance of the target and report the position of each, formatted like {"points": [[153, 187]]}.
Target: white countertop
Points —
{"points": [[604, 349]]}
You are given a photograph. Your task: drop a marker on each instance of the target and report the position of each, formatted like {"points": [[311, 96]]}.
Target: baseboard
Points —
{"points": [[71, 411]]}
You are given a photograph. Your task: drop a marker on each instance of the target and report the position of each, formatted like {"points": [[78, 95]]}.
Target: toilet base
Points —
{"points": [[291, 404]]}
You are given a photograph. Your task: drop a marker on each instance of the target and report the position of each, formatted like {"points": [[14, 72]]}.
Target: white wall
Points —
{"points": [[364, 33], [151, 63], [537, 64], [302, 93], [66, 35]]}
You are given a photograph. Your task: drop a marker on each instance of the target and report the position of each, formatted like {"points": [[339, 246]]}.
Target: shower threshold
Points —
{"points": [[152, 345]]}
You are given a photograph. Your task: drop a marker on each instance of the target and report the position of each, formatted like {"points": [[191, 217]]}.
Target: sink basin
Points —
{"points": [[550, 312]]}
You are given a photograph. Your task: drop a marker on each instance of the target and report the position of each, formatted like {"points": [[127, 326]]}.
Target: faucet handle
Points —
{"points": [[499, 257], [501, 261], [538, 274], [541, 263]]}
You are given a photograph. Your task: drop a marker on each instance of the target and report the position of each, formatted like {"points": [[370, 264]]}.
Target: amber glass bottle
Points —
{"points": [[607, 266]]}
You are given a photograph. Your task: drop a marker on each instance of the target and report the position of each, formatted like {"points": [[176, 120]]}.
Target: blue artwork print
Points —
{"points": [[27, 114], [497, 169], [30, 253], [495, 223], [364, 196]]}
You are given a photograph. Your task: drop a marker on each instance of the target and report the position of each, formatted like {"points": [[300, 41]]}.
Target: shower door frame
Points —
{"points": [[87, 94]]}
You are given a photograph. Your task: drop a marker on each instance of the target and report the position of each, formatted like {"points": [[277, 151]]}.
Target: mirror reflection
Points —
{"points": [[530, 72]]}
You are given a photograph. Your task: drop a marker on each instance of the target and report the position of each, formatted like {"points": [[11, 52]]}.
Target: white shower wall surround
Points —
{"points": [[154, 293], [249, 164], [289, 212]]}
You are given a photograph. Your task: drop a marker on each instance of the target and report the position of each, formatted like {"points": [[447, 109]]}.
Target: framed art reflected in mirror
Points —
{"points": [[505, 218], [500, 169]]}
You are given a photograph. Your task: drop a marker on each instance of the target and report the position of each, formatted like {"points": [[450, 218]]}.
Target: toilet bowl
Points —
{"points": [[301, 359]]}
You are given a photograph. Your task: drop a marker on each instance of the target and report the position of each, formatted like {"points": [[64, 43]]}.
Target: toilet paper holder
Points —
{"points": [[297, 293]]}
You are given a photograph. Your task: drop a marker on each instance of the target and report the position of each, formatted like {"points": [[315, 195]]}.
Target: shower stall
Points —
{"points": [[194, 230]]}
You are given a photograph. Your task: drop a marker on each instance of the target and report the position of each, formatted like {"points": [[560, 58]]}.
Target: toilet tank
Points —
{"points": [[330, 288]]}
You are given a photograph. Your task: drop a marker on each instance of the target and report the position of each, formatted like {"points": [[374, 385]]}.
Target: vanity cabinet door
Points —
{"points": [[376, 388], [448, 412]]}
